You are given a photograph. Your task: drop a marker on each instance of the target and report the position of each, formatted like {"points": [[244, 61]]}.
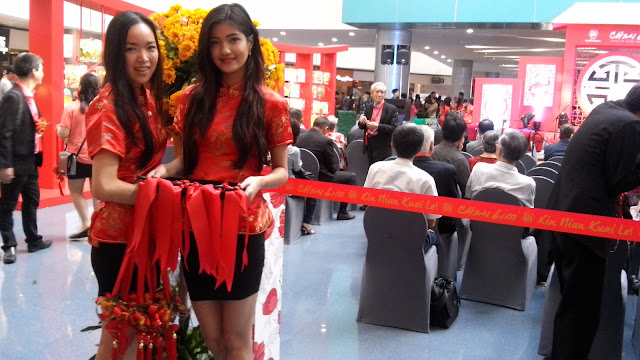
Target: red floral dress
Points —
{"points": [[111, 222], [218, 152]]}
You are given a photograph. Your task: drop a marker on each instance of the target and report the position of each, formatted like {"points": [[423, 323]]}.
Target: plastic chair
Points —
{"points": [[466, 154], [293, 216], [543, 171], [521, 168], [543, 237], [500, 267], [557, 159], [551, 165], [476, 152], [324, 209], [397, 275]]}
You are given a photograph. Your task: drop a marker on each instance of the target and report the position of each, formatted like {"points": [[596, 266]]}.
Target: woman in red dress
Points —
{"points": [[230, 122], [444, 109], [125, 139]]}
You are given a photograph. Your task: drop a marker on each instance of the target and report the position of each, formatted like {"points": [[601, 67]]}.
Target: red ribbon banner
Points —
{"points": [[568, 222]]}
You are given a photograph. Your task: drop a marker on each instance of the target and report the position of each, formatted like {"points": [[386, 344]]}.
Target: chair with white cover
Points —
{"points": [[607, 343], [501, 266], [324, 209], [397, 274], [357, 161], [448, 255]]}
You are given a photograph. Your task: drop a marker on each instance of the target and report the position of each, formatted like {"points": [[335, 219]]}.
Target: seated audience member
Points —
{"points": [[294, 164], [510, 147], [297, 115], [326, 152], [448, 150], [401, 175], [444, 175], [559, 148], [483, 126], [338, 139], [489, 150]]}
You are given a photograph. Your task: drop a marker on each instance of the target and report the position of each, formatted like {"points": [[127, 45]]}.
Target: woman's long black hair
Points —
{"points": [[124, 96], [89, 88], [248, 125]]}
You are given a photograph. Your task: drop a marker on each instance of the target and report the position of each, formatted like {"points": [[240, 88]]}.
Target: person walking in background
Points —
{"points": [[230, 123], [378, 122], [73, 128], [20, 156], [6, 83], [125, 139]]}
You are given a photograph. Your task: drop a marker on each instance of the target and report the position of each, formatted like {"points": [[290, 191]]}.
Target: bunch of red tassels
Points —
{"points": [[165, 213]]}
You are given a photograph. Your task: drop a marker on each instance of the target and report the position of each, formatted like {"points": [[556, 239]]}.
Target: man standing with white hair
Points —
{"points": [[378, 121]]}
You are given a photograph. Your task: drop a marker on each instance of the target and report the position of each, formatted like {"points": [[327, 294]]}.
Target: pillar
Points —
{"points": [[461, 77], [394, 76], [46, 31]]}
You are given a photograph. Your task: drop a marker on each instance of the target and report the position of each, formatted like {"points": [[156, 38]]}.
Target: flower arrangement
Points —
{"points": [[179, 30]]}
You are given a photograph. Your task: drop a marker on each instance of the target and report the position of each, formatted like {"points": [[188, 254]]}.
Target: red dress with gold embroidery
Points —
{"points": [[218, 151], [111, 222]]}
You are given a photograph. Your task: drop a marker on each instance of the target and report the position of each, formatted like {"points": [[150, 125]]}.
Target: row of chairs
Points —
{"points": [[526, 163]]}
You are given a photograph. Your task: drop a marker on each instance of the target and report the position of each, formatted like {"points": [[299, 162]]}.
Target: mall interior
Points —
{"points": [[536, 60]]}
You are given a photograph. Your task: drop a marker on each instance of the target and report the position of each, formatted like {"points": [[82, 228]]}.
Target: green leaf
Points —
{"points": [[91, 328]]}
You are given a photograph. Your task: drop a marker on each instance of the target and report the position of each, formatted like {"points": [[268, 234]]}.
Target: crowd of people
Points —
{"points": [[231, 127]]}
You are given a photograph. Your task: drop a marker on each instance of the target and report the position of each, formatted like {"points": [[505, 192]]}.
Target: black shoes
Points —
{"points": [[345, 216], [40, 245], [9, 255], [79, 235]]}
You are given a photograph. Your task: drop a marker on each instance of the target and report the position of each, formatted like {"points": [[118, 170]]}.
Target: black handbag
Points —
{"points": [[68, 161], [303, 174], [445, 303]]}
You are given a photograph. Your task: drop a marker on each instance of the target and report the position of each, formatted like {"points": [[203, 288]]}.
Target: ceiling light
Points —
{"points": [[508, 65], [469, 31], [427, 48], [541, 38], [320, 44], [490, 47], [352, 34], [443, 56], [435, 52], [334, 39], [283, 33], [274, 39], [486, 51], [448, 60]]}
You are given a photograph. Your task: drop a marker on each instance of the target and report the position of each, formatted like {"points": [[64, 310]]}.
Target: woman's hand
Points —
{"points": [[159, 172], [251, 186]]}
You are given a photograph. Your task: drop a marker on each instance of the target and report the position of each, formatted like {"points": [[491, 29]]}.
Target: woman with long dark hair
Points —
{"points": [[126, 139], [445, 107], [230, 124], [73, 128]]}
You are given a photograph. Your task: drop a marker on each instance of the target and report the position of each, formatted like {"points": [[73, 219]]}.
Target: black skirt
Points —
{"points": [[245, 282]]}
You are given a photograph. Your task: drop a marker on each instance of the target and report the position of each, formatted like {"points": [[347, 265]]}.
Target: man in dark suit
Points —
{"points": [[559, 148], [378, 122], [20, 156], [444, 175], [326, 152]]}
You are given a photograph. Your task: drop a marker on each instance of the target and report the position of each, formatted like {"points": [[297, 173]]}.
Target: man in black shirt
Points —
{"points": [[601, 162], [326, 152]]}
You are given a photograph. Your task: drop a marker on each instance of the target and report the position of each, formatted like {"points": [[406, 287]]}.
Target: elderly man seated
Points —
{"points": [[483, 126], [503, 174], [401, 175]]}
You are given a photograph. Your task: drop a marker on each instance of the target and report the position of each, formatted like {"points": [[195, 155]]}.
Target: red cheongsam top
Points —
{"points": [[218, 152], [111, 222]]}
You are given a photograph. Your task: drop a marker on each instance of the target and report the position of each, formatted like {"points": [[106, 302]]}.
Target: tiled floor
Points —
{"points": [[46, 298]]}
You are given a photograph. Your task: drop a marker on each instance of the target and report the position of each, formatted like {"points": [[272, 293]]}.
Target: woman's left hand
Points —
{"points": [[251, 186]]}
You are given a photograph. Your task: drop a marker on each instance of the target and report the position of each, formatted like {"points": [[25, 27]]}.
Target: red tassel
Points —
{"points": [[158, 344], [114, 350], [140, 353], [149, 351]]}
